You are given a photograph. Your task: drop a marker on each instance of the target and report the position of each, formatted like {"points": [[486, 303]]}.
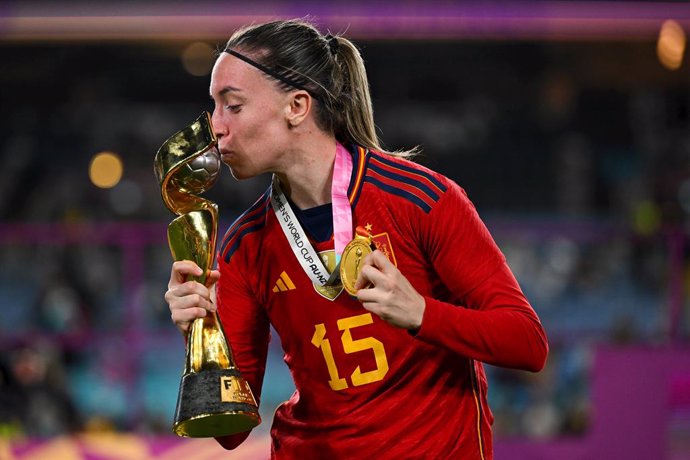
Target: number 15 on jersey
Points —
{"points": [[351, 345]]}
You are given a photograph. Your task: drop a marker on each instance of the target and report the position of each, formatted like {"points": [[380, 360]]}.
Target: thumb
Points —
{"points": [[212, 278], [362, 281]]}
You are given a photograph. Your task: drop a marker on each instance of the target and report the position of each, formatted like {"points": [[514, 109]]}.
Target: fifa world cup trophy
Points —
{"points": [[214, 399]]}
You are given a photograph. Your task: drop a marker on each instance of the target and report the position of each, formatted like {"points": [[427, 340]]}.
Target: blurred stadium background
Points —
{"points": [[566, 122]]}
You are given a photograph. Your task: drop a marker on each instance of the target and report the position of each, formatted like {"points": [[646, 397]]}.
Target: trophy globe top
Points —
{"points": [[188, 164], [199, 174]]}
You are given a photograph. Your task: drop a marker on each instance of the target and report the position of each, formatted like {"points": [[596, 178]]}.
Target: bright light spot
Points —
{"points": [[671, 45], [198, 59], [105, 170]]}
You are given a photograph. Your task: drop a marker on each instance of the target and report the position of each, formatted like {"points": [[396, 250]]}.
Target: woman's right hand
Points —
{"points": [[189, 300]]}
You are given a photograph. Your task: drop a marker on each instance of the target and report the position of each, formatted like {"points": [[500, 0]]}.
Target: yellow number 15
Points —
{"points": [[358, 377]]}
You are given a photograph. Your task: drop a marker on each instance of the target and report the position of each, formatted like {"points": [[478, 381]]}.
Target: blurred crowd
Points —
{"points": [[581, 171]]}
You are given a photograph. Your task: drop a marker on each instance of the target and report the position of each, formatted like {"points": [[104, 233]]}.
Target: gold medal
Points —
{"points": [[352, 260]]}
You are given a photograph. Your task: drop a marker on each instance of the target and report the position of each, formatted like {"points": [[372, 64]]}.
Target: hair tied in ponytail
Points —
{"points": [[333, 44]]}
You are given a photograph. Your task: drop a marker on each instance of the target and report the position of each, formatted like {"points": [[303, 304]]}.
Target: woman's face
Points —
{"points": [[249, 118]]}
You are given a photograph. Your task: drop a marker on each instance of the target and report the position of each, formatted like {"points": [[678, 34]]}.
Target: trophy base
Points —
{"points": [[213, 403]]}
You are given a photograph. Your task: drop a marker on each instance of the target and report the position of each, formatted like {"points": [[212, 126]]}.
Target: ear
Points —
{"points": [[299, 108]]}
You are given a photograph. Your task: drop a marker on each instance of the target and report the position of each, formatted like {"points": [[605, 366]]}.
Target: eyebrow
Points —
{"points": [[227, 90]]}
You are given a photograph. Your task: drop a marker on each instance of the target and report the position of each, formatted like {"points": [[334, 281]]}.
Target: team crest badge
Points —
{"points": [[383, 243]]}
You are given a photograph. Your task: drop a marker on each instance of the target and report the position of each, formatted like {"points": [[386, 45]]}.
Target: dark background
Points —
{"points": [[568, 134]]}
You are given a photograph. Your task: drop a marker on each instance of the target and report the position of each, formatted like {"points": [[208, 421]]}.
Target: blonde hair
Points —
{"points": [[330, 68]]}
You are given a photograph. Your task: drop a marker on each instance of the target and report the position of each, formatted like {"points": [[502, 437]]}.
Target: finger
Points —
{"points": [[369, 294], [191, 301], [371, 306], [188, 288], [369, 274], [380, 260], [187, 315], [181, 269], [377, 309], [380, 263], [199, 299], [361, 281]]}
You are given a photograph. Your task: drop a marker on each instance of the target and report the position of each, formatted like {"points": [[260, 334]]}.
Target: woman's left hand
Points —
{"points": [[383, 290]]}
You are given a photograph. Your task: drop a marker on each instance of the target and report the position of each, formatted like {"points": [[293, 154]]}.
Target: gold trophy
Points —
{"points": [[214, 399]]}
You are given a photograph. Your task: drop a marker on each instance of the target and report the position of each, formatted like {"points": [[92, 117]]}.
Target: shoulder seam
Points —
{"points": [[416, 185], [251, 220]]}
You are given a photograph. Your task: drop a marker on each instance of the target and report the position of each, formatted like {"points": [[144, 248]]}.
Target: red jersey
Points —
{"points": [[364, 388]]}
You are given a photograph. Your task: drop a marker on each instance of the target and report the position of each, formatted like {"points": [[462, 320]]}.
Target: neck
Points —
{"points": [[308, 177]]}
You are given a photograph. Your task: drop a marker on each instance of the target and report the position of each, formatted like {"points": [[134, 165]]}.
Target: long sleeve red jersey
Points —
{"points": [[364, 388]]}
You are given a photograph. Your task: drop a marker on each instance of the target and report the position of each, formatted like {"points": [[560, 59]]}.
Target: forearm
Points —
{"points": [[248, 333], [496, 325]]}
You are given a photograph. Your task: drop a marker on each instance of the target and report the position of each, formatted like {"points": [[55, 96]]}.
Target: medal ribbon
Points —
{"points": [[342, 211], [342, 220]]}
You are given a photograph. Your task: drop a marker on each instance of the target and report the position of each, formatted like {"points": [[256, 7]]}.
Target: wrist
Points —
{"points": [[419, 316]]}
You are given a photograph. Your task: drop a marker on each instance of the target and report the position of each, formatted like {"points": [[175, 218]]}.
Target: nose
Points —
{"points": [[219, 128]]}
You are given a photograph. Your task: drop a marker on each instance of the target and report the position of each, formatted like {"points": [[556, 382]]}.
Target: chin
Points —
{"points": [[238, 173]]}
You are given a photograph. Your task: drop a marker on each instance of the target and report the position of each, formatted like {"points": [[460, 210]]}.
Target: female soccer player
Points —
{"points": [[386, 357]]}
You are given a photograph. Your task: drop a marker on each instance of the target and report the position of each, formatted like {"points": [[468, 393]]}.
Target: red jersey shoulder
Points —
{"points": [[250, 221], [405, 179]]}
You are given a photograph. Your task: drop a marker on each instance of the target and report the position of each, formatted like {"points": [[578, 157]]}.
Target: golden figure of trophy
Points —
{"points": [[214, 399]]}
